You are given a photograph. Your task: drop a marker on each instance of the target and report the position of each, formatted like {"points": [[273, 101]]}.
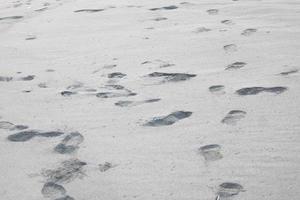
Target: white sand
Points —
{"points": [[260, 152]]}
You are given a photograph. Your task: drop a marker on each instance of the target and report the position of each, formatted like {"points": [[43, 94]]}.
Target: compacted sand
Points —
{"points": [[149, 100]]}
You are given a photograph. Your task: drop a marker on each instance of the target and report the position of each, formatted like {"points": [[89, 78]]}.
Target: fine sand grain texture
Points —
{"points": [[149, 100]]}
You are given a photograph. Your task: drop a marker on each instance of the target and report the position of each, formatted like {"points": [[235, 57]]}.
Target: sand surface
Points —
{"points": [[149, 100]]}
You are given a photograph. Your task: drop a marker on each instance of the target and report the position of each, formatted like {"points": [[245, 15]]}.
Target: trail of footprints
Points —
{"points": [[74, 168]]}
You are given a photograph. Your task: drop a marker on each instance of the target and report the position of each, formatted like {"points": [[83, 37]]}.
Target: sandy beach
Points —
{"points": [[149, 100]]}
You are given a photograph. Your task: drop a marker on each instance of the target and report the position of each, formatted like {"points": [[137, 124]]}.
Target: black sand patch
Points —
{"points": [[233, 117], [211, 152], [168, 119], [236, 65], [257, 90]]}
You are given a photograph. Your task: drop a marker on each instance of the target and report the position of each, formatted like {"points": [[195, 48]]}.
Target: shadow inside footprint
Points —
{"points": [[67, 93], [212, 11], [257, 90], [11, 18], [211, 152], [230, 48], [289, 72], [217, 89], [236, 65], [89, 10], [249, 31], [135, 103], [228, 189], [233, 117], [27, 78], [53, 190], [50, 134], [168, 119], [106, 166], [66, 172], [165, 8], [116, 75], [171, 77]]}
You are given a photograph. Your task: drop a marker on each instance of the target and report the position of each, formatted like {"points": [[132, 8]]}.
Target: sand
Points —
{"points": [[149, 100]]}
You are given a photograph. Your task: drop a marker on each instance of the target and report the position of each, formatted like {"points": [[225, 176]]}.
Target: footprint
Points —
{"points": [[53, 190], [211, 152], [257, 90], [233, 117], [289, 72], [5, 78], [171, 77], [28, 135], [115, 94], [159, 19], [30, 38], [135, 103], [217, 89], [236, 65], [212, 11], [66, 172], [6, 125], [230, 48], [89, 10], [201, 30], [19, 127], [165, 8], [227, 22], [27, 78], [168, 119], [228, 189], [106, 166], [67, 93], [11, 18], [22, 136], [116, 75], [249, 31], [50, 134], [115, 87], [69, 144]]}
